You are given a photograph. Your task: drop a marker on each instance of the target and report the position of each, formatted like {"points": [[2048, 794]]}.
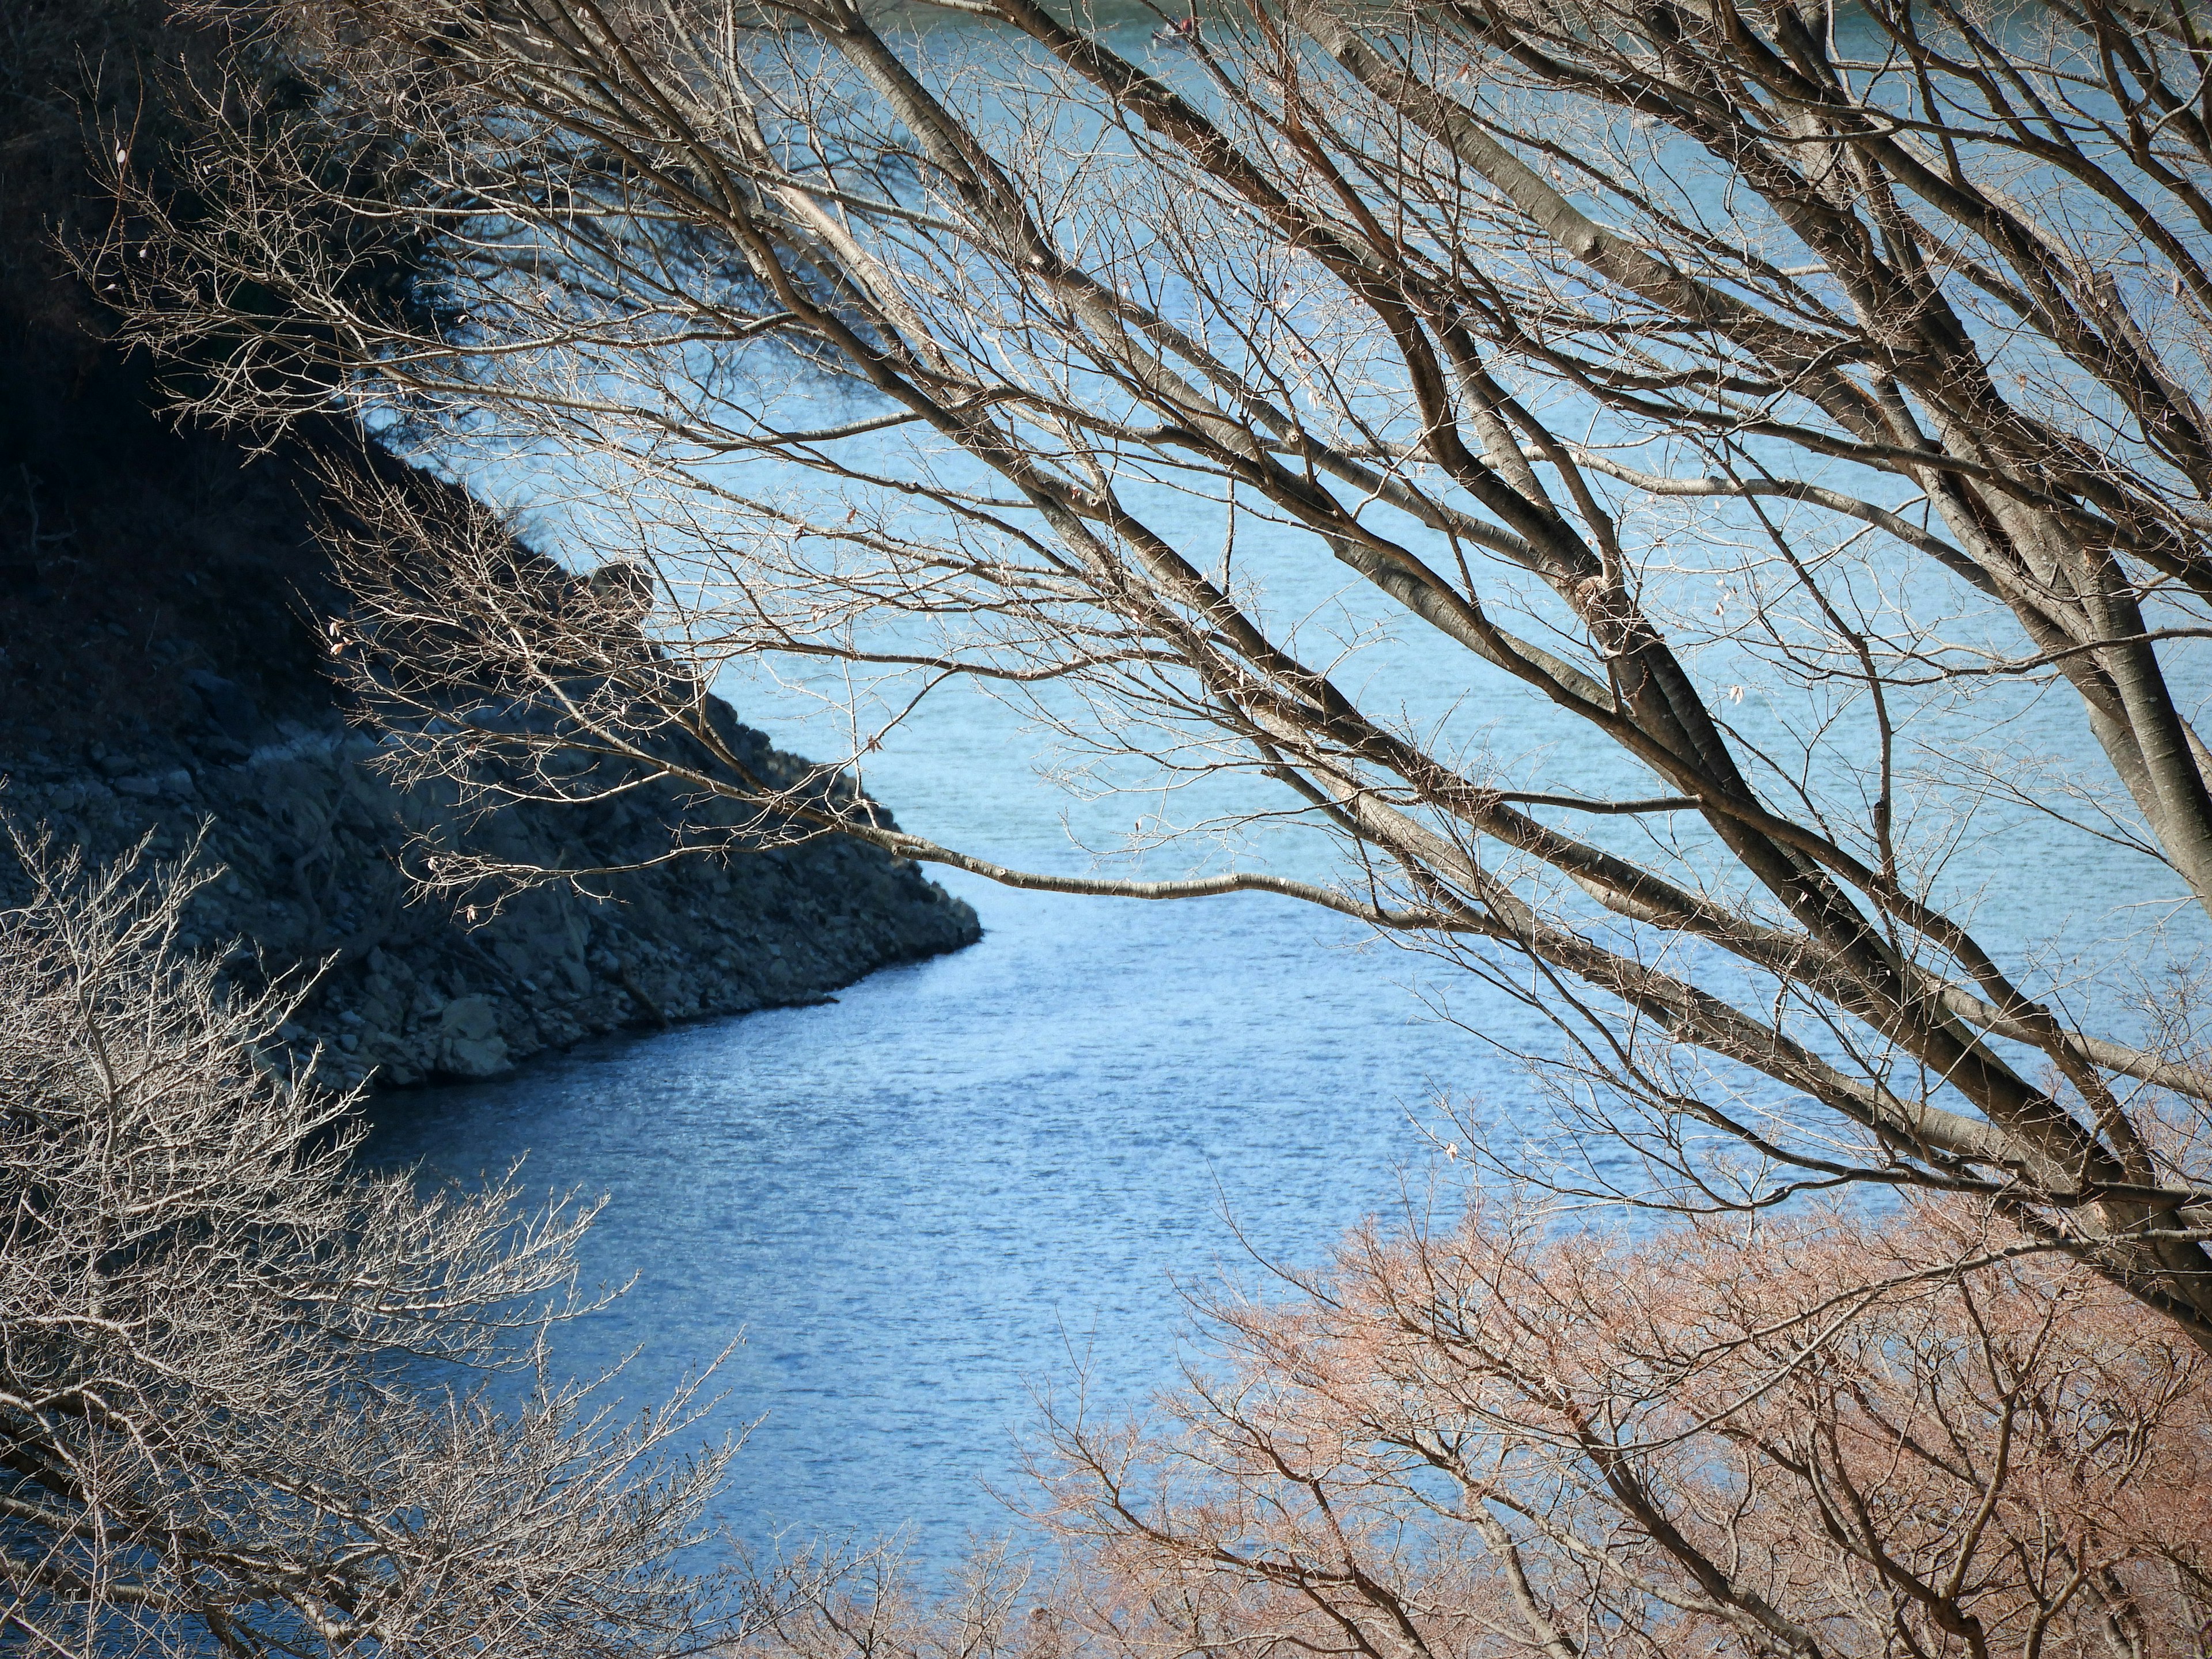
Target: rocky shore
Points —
{"points": [[307, 834], [163, 668]]}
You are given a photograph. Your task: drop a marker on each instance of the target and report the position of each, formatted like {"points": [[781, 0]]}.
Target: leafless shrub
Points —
{"points": [[822, 1602], [1490, 1437], [221, 1428]]}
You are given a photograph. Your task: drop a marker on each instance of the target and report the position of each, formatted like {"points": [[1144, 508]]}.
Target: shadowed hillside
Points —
{"points": [[160, 668]]}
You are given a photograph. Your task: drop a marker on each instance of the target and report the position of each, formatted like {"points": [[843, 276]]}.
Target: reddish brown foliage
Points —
{"points": [[1916, 1436], [1837, 1437]]}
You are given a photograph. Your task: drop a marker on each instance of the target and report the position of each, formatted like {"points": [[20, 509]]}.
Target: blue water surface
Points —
{"points": [[968, 1178], [965, 1178]]}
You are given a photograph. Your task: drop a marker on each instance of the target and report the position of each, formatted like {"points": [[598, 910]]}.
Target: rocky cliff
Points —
{"points": [[161, 669], [306, 832]]}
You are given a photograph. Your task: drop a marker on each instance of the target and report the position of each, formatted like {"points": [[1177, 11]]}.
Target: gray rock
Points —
{"points": [[175, 783], [309, 832], [469, 1040], [229, 707]]}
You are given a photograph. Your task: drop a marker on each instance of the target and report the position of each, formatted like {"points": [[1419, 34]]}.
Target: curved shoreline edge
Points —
{"points": [[308, 836]]}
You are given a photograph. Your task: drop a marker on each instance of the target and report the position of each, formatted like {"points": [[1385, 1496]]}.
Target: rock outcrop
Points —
{"points": [[161, 665], [307, 834]]}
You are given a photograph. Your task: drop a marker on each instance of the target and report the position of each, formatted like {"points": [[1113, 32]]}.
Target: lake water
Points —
{"points": [[968, 1178], [971, 1176], [923, 1200]]}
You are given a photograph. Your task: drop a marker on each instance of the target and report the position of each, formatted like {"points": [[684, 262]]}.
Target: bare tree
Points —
{"points": [[1618, 471], [1474, 1442], [822, 1602], [1487, 1438], [222, 1428]]}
